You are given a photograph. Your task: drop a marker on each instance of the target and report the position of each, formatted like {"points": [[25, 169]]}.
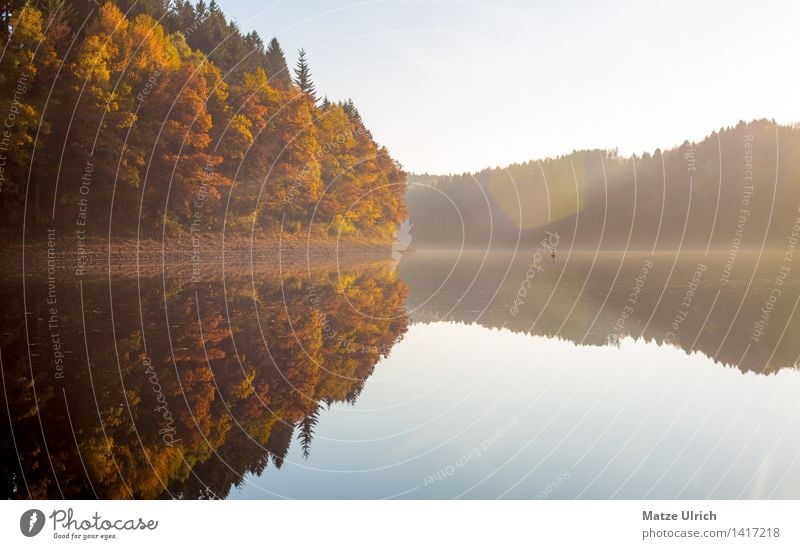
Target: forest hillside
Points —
{"points": [[735, 189], [152, 118]]}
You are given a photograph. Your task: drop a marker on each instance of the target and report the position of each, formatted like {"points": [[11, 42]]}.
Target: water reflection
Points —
{"points": [[156, 389], [612, 397], [747, 320], [593, 376], [463, 411]]}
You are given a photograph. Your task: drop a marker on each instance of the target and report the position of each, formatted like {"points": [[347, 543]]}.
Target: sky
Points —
{"points": [[451, 86]]}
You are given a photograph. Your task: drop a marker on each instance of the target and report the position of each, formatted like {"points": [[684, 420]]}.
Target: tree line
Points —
{"points": [[141, 117], [735, 189]]}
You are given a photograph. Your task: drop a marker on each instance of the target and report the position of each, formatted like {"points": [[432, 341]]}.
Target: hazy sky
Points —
{"points": [[459, 85]]}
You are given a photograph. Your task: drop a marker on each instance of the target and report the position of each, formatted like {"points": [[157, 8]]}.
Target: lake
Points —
{"points": [[444, 375]]}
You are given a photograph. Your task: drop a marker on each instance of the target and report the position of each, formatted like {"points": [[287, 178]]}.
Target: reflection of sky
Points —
{"points": [[454, 85], [593, 422]]}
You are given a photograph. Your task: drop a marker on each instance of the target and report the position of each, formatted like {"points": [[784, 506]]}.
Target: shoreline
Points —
{"points": [[183, 256]]}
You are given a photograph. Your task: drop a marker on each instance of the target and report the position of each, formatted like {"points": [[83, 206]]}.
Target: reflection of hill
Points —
{"points": [[186, 388], [584, 300], [692, 196]]}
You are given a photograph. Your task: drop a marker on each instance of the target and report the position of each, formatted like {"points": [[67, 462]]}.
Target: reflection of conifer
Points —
{"points": [[280, 438], [352, 396], [306, 434], [258, 465]]}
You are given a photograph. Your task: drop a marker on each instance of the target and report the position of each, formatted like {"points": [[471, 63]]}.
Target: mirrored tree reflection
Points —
{"points": [[598, 299], [151, 389]]}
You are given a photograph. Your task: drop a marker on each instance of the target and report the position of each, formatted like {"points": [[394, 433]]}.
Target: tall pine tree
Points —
{"points": [[302, 76], [279, 71]]}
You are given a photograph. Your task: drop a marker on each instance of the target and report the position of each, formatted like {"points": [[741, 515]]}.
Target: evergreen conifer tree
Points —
{"points": [[302, 76]]}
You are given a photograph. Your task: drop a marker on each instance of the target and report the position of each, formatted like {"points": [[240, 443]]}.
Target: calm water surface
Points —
{"points": [[471, 404], [446, 376]]}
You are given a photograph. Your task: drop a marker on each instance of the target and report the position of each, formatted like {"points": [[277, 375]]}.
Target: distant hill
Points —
{"points": [[738, 187]]}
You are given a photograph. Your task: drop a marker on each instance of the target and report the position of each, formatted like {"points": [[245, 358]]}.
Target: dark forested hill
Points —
{"points": [[737, 188]]}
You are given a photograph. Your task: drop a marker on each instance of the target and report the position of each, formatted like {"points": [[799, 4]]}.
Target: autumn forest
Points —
{"points": [[151, 117]]}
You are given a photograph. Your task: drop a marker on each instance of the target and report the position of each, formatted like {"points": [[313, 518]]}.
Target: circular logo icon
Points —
{"points": [[31, 522]]}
